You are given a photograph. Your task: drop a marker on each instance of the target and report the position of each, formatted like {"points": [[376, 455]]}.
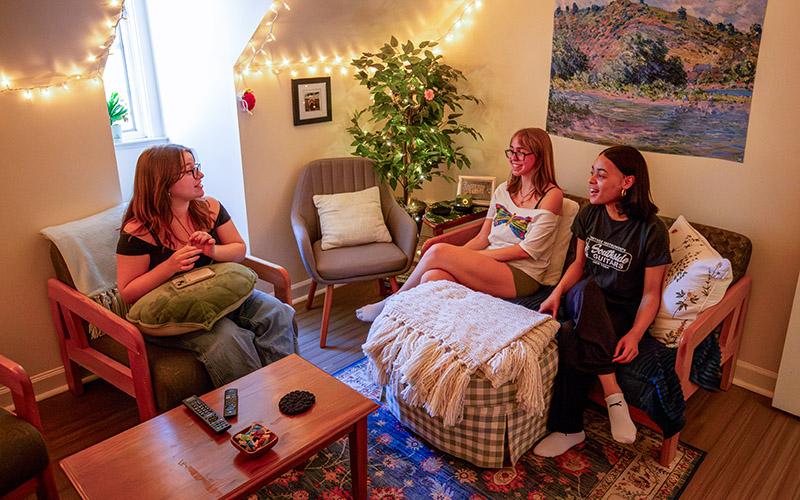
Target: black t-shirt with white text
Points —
{"points": [[617, 252]]}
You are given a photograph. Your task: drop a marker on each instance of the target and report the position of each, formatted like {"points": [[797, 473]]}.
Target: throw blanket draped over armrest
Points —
{"points": [[89, 249], [434, 337]]}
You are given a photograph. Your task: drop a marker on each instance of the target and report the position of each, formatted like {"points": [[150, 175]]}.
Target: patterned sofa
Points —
{"points": [[656, 384]]}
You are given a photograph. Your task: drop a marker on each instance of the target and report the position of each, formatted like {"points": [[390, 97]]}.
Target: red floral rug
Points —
{"points": [[403, 466]]}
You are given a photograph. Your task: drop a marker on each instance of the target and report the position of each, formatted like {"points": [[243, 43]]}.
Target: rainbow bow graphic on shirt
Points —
{"points": [[517, 224]]}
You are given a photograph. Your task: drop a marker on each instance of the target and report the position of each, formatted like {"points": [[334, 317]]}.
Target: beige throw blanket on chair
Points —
{"points": [[434, 337]]}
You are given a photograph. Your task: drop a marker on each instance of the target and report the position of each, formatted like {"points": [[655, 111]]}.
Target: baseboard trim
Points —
{"points": [[755, 378], [45, 384]]}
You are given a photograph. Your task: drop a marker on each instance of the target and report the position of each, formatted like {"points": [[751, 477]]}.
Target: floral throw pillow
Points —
{"points": [[696, 280]]}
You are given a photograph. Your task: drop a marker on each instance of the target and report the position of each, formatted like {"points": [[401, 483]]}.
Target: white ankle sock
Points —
{"points": [[622, 428], [369, 312], [557, 443]]}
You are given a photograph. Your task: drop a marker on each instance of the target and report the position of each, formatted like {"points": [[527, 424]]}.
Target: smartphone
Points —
{"points": [[193, 277]]}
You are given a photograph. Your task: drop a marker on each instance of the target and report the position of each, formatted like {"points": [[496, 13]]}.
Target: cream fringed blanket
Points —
{"points": [[434, 337]]}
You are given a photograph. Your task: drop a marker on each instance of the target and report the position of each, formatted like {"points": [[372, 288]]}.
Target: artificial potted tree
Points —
{"points": [[117, 112], [415, 110]]}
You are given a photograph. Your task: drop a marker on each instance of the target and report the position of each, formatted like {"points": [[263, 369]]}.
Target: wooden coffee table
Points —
{"points": [[175, 455]]}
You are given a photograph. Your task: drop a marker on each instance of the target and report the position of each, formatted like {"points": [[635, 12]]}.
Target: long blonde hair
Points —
{"points": [[536, 141], [157, 169]]}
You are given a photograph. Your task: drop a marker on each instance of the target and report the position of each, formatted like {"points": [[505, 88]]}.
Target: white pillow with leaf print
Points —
{"points": [[696, 280]]}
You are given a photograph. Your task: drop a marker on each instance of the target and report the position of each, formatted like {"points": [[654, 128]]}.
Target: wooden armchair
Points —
{"points": [[21, 437], [158, 378], [729, 314]]}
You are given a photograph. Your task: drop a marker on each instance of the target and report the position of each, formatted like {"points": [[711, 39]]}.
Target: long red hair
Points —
{"points": [[536, 141], [157, 169]]}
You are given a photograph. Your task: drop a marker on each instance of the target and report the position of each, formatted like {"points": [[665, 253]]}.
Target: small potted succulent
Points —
{"points": [[117, 112]]}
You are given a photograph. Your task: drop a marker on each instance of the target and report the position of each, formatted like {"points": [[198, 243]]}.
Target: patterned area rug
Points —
{"points": [[403, 466]]}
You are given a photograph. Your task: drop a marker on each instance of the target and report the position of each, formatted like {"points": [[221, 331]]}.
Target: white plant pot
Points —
{"points": [[116, 131]]}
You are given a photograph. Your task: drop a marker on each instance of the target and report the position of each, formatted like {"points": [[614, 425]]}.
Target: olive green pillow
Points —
{"points": [[168, 310]]}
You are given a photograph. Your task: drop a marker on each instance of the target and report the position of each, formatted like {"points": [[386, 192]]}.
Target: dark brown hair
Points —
{"points": [[536, 141], [157, 169], [637, 202]]}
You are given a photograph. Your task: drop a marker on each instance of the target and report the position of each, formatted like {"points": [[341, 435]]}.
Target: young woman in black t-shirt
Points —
{"points": [[613, 291], [170, 227]]}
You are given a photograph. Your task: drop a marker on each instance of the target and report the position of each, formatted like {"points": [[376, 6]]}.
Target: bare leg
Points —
{"points": [[609, 383], [462, 265]]}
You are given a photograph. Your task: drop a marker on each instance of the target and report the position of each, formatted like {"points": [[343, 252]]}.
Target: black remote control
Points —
{"points": [[206, 414], [231, 403]]}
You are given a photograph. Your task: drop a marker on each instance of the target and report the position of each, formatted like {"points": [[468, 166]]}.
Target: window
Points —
{"points": [[129, 72]]}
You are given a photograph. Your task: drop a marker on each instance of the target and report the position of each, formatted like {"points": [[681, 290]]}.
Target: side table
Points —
{"points": [[440, 223]]}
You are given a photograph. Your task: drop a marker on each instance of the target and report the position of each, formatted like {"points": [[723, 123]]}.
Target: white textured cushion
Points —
{"points": [[696, 280], [349, 219], [569, 209]]}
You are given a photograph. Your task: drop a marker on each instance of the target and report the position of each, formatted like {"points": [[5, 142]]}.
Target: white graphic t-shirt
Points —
{"points": [[533, 229]]}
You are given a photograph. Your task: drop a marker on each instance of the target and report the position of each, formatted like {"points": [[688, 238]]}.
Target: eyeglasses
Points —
{"points": [[517, 155], [194, 170]]}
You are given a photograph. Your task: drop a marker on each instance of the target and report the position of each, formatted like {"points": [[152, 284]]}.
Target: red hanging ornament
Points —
{"points": [[247, 101]]}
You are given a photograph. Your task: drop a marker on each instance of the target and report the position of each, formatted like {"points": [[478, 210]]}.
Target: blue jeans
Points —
{"points": [[260, 331]]}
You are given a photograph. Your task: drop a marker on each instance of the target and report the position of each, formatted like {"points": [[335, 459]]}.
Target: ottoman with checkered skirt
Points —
{"points": [[492, 423]]}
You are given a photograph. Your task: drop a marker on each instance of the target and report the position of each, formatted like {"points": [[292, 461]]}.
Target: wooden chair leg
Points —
{"points": [[393, 283], [46, 484], [312, 289], [72, 371], [669, 450], [326, 316]]}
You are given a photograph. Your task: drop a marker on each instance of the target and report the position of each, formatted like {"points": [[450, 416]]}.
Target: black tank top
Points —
{"points": [[129, 244]]}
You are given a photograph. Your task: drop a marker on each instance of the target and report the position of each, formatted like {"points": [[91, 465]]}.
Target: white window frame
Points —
{"points": [[139, 69]]}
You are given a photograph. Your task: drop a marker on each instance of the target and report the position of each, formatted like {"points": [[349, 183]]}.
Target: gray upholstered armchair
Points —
{"points": [[355, 263]]}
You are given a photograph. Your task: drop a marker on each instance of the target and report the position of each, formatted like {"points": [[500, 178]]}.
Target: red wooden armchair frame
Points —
{"points": [[71, 311], [730, 312], [13, 376]]}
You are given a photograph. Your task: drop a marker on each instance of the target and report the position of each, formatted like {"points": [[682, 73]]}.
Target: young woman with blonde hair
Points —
{"points": [[169, 227], [510, 254]]}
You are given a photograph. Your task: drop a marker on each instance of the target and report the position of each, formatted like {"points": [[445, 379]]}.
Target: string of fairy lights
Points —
{"points": [[335, 63], [323, 64], [95, 58]]}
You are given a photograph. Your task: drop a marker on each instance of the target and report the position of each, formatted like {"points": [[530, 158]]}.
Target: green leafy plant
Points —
{"points": [[415, 110], [116, 110]]}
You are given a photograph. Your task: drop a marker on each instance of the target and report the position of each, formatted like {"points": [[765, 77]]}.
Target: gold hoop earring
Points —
{"points": [[622, 195]]}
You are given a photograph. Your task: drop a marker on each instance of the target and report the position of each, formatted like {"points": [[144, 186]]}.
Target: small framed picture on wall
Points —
{"points": [[311, 100], [479, 188]]}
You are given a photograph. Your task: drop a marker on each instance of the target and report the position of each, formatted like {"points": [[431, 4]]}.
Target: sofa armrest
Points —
{"points": [[303, 238], [13, 376], [730, 312], [456, 237], [274, 274], [112, 325]]}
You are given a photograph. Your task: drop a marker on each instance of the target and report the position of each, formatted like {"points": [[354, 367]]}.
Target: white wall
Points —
{"points": [[195, 44], [56, 165]]}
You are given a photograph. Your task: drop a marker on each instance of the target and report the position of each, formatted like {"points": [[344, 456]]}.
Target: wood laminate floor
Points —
{"points": [[753, 449]]}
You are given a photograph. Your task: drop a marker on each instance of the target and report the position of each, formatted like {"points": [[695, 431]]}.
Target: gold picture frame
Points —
{"points": [[480, 188]]}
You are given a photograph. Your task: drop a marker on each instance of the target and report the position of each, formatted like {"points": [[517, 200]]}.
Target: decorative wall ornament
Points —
{"points": [[670, 76]]}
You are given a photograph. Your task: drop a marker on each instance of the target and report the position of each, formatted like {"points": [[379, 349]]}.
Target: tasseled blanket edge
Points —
{"points": [[111, 300], [433, 377]]}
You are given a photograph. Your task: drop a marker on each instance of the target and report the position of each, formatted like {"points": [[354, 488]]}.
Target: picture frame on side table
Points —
{"points": [[479, 188], [311, 100]]}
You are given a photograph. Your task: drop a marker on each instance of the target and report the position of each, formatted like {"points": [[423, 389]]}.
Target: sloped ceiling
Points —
{"points": [[44, 41], [348, 27]]}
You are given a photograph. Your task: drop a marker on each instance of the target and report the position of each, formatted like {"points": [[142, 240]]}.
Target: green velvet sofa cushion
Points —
{"points": [[23, 452], [170, 310]]}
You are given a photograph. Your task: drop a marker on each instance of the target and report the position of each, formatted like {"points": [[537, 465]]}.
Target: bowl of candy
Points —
{"points": [[254, 440]]}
